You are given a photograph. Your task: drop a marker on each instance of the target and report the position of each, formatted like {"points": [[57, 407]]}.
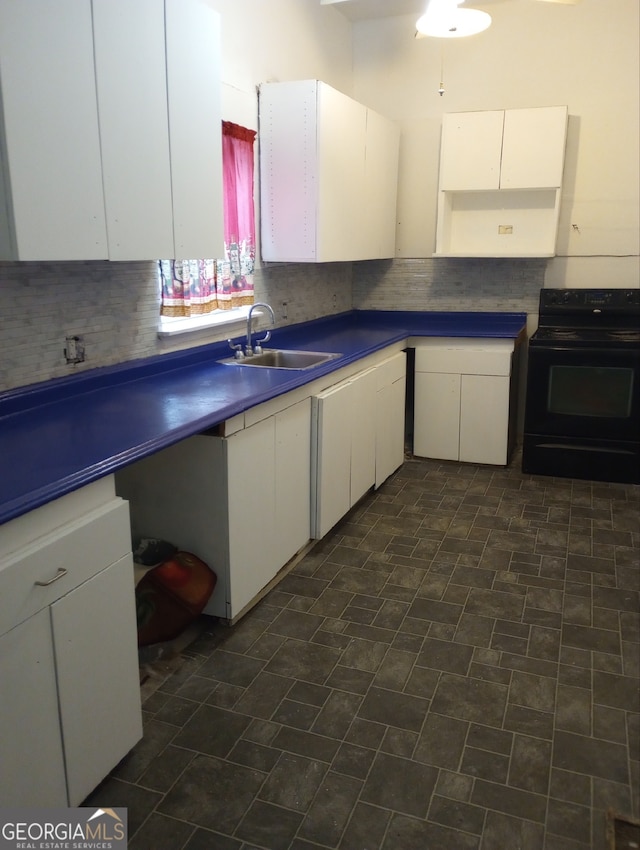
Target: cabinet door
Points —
{"points": [[288, 170], [533, 148], [342, 127], [292, 480], [436, 422], [363, 391], [390, 415], [484, 419], [50, 152], [131, 79], [378, 203], [251, 477], [471, 150], [95, 639], [193, 74], [331, 458], [32, 765]]}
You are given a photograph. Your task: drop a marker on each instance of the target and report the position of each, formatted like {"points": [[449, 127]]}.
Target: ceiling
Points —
{"points": [[362, 10]]}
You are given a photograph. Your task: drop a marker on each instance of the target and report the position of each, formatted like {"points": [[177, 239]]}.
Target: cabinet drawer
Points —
{"points": [[274, 406], [82, 548], [24, 530], [466, 359]]}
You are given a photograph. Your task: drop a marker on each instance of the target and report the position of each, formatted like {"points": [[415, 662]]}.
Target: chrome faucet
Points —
{"points": [[249, 349]]}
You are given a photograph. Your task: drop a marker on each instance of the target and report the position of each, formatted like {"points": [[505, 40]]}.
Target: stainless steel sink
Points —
{"points": [[275, 358]]}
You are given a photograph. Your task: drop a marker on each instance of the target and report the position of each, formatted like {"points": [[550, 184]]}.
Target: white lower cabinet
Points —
{"points": [[344, 465], [292, 490], [239, 502], [32, 765], [70, 696], [484, 438], [436, 423], [267, 473], [463, 400], [357, 439], [390, 416], [363, 433], [95, 639]]}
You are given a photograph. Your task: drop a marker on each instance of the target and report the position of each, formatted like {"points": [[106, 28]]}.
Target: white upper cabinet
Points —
{"points": [[111, 145], [195, 114], [160, 122], [500, 182], [378, 204], [131, 75], [328, 175], [533, 145], [51, 200], [471, 150], [338, 173]]}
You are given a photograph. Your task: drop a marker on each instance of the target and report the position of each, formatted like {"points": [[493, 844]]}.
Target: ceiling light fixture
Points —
{"points": [[443, 19]]}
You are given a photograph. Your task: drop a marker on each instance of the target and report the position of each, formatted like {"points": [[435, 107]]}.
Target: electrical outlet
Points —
{"points": [[285, 312], [74, 349]]}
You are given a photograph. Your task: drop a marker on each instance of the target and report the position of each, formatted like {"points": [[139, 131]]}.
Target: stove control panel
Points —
{"points": [[589, 300]]}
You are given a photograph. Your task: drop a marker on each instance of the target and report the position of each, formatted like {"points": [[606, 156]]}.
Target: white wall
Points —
{"points": [[534, 54], [271, 40]]}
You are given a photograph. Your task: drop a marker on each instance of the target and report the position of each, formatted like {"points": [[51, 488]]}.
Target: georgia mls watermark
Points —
{"points": [[63, 829]]}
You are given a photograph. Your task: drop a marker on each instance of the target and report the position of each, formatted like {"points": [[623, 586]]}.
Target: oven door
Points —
{"points": [[583, 392]]}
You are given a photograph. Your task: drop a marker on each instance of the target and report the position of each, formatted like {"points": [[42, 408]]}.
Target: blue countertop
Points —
{"points": [[62, 434]]}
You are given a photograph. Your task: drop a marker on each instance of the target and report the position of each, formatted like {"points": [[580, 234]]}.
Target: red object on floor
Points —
{"points": [[171, 596]]}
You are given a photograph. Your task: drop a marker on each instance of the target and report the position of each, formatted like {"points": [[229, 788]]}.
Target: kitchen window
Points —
{"points": [[200, 293]]}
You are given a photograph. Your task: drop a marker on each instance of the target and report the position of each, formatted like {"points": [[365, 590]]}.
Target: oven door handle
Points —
{"points": [[567, 446]]}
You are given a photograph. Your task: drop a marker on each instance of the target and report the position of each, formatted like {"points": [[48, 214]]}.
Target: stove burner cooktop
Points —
{"points": [[600, 317], [607, 336], [625, 335]]}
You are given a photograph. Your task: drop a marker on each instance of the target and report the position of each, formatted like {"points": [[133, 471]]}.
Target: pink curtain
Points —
{"points": [[197, 287], [235, 270]]}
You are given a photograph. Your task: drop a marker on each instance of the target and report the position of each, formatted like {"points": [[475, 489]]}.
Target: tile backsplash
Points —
{"points": [[449, 284], [114, 306]]}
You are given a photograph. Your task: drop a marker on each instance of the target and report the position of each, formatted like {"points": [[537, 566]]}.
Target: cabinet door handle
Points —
{"points": [[61, 572]]}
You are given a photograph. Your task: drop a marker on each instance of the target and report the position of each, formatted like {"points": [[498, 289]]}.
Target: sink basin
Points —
{"points": [[275, 358]]}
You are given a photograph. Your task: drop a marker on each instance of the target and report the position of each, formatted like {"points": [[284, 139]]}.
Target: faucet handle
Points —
{"points": [[257, 348], [237, 350]]}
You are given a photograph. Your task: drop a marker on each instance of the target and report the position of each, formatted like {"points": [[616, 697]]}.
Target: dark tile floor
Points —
{"points": [[455, 666]]}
